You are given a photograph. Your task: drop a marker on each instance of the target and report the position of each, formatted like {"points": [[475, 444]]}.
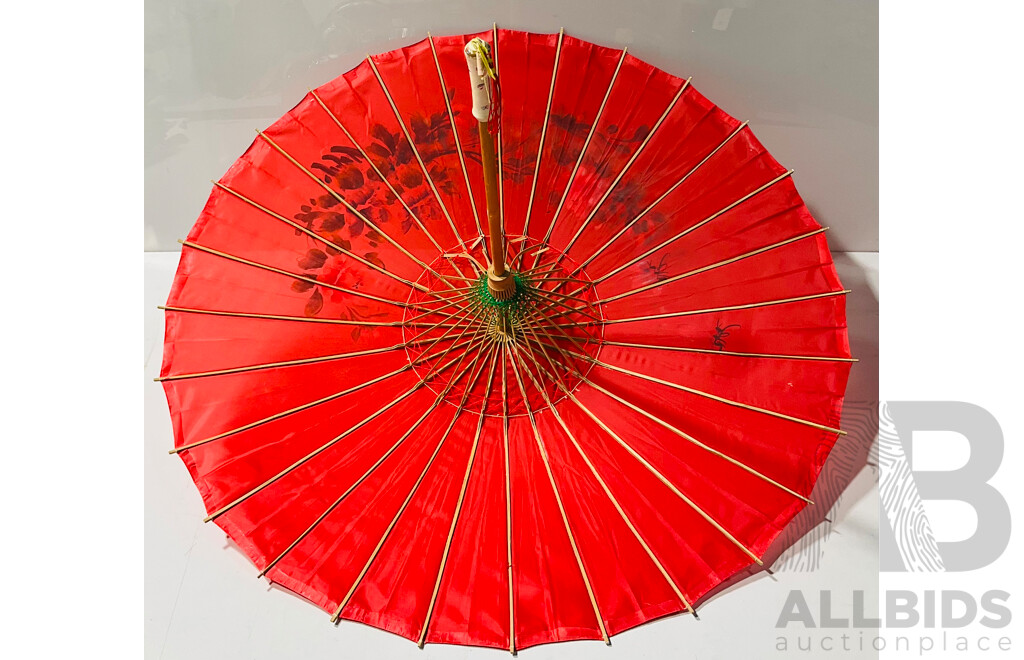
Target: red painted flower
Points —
{"points": [[338, 271]]}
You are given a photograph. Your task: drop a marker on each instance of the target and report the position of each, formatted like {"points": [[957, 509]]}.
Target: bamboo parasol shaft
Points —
{"points": [[496, 233], [481, 74]]}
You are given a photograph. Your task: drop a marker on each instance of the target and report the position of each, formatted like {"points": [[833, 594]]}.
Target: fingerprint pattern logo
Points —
{"points": [[902, 503], [848, 457]]}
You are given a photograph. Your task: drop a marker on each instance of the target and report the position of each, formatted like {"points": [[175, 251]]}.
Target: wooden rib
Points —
{"points": [[583, 151], [457, 302], [462, 496], [550, 323], [412, 214], [477, 266], [285, 363], [568, 298], [290, 411], [561, 296], [543, 133], [665, 194], [685, 349], [351, 488], [352, 209], [708, 395], [456, 291], [693, 227], [562, 309], [322, 400], [280, 317], [558, 498], [415, 151], [650, 416], [297, 276], [497, 144], [690, 438], [311, 455], [588, 283], [556, 300], [301, 319], [539, 252], [412, 492], [703, 269], [515, 261], [663, 479], [440, 325], [542, 268], [626, 167], [729, 308], [460, 314], [360, 480], [568, 309], [474, 310], [604, 486], [312, 234], [504, 390], [508, 506], [321, 449], [458, 143], [474, 338], [567, 313]]}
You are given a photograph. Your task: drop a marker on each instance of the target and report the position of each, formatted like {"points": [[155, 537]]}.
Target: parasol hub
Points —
{"points": [[501, 286]]}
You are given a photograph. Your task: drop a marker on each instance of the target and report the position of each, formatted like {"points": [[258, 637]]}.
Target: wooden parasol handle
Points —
{"points": [[478, 56]]}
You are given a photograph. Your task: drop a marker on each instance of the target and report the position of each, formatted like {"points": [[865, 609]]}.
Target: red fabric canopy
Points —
{"points": [[671, 390]]}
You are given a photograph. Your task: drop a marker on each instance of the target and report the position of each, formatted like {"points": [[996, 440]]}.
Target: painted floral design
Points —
{"points": [[354, 178], [348, 173]]}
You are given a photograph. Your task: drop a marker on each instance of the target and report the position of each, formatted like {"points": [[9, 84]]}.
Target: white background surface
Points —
{"points": [[951, 312], [803, 72], [203, 599]]}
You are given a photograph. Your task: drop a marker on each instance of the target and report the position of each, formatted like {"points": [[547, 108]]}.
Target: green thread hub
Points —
{"points": [[514, 306], [504, 317]]}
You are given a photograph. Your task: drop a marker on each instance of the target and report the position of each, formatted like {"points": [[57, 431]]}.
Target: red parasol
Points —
{"points": [[592, 432]]}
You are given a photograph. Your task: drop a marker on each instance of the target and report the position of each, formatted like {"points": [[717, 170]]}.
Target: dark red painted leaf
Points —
{"points": [[314, 304], [374, 259], [410, 177], [333, 222], [313, 259], [350, 178], [384, 136]]}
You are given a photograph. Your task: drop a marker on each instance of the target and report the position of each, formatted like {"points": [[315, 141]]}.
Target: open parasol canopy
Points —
{"points": [[505, 339]]}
